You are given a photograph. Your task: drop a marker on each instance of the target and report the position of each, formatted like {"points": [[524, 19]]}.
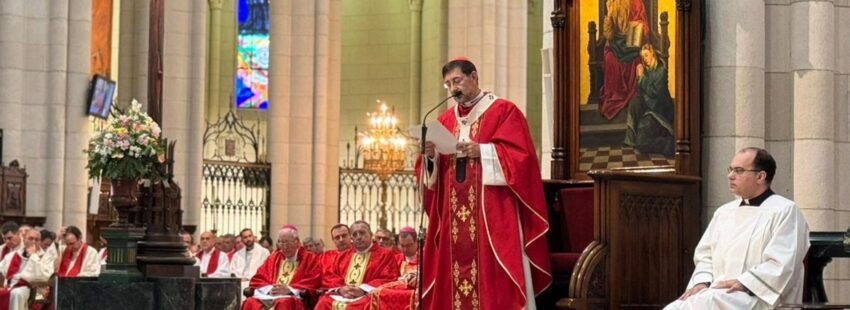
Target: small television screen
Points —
{"points": [[100, 97]]}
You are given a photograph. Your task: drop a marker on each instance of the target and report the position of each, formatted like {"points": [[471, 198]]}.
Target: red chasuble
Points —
{"points": [[472, 250], [396, 294], [328, 258], [65, 268], [307, 277], [381, 268]]}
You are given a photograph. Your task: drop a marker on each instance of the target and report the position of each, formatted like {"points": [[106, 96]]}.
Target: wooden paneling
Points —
{"points": [[645, 229], [13, 196]]}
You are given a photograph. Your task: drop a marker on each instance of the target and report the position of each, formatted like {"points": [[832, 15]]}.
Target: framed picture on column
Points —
{"points": [[100, 97]]}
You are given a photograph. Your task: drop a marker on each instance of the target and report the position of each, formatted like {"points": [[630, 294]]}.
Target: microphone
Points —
{"points": [[455, 94], [421, 235]]}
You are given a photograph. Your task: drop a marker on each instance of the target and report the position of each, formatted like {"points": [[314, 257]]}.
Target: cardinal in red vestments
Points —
{"points": [[341, 236], [486, 244], [357, 271], [288, 279]]}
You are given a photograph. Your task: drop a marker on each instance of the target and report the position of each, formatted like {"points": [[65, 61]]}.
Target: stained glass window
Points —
{"points": [[252, 71]]}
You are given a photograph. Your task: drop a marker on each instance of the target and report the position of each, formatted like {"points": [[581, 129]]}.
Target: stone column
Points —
{"points": [[812, 63], [779, 94], [77, 130], [133, 54], [548, 120], [839, 291], [415, 62], [214, 60], [11, 77], [303, 114], [492, 33], [183, 92], [734, 107]]}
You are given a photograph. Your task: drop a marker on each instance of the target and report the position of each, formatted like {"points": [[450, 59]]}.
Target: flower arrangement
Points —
{"points": [[127, 148]]}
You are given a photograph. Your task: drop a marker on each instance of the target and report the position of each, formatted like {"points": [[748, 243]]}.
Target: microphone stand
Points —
{"points": [[420, 263]]}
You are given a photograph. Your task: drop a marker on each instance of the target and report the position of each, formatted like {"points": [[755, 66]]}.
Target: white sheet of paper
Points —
{"points": [[262, 296], [444, 140], [345, 300]]}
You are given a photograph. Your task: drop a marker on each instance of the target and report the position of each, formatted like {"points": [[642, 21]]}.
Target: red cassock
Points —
{"points": [[307, 277], [396, 294], [382, 267], [473, 254]]}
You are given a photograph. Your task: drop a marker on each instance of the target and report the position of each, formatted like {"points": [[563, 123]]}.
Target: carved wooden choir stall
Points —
{"points": [[622, 235]]}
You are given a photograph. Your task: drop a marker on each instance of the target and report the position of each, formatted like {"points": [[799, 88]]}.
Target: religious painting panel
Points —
{"points": [[626, 105]]}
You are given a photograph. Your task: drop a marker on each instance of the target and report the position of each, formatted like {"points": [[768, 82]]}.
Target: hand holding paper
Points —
{"points": [[444, 140]]}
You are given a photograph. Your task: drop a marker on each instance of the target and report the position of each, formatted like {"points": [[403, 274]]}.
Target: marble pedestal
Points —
{"points": [[152, 293]]}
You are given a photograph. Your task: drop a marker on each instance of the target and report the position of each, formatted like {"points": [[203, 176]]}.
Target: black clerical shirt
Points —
{"points": [[758, 200]]}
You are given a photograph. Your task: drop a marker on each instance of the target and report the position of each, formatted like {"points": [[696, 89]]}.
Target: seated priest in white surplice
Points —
{"points": [[249, 258], [751, 254], [76, 258], [213, 262], [27, 265]]}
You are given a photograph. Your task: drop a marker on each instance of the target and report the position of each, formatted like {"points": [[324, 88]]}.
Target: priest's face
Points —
{"points": [[46, 243], [238, 243], [72, 241], [12, 239], [187, 239], [341, 238], [227, 244], [744, 180], [207, 241], [407, 244], [248, 239], [361, 236], [287, 243], [382, 237], [32, 239], [467, 85]]}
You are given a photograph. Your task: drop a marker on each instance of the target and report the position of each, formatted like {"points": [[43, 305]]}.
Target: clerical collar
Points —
{"points": [[294, 256], [758, 200], [364, 251], [471, 103]]}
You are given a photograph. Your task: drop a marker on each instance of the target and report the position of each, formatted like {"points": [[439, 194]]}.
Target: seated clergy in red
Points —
{"points": [[290, 275], [213, 262], [341, 236], [357, 271], [76, 258], [24, 266], [399, 294]]}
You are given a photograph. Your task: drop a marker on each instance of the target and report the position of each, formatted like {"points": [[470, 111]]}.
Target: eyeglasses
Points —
{"points": [[457, 80], [739, 170]]}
